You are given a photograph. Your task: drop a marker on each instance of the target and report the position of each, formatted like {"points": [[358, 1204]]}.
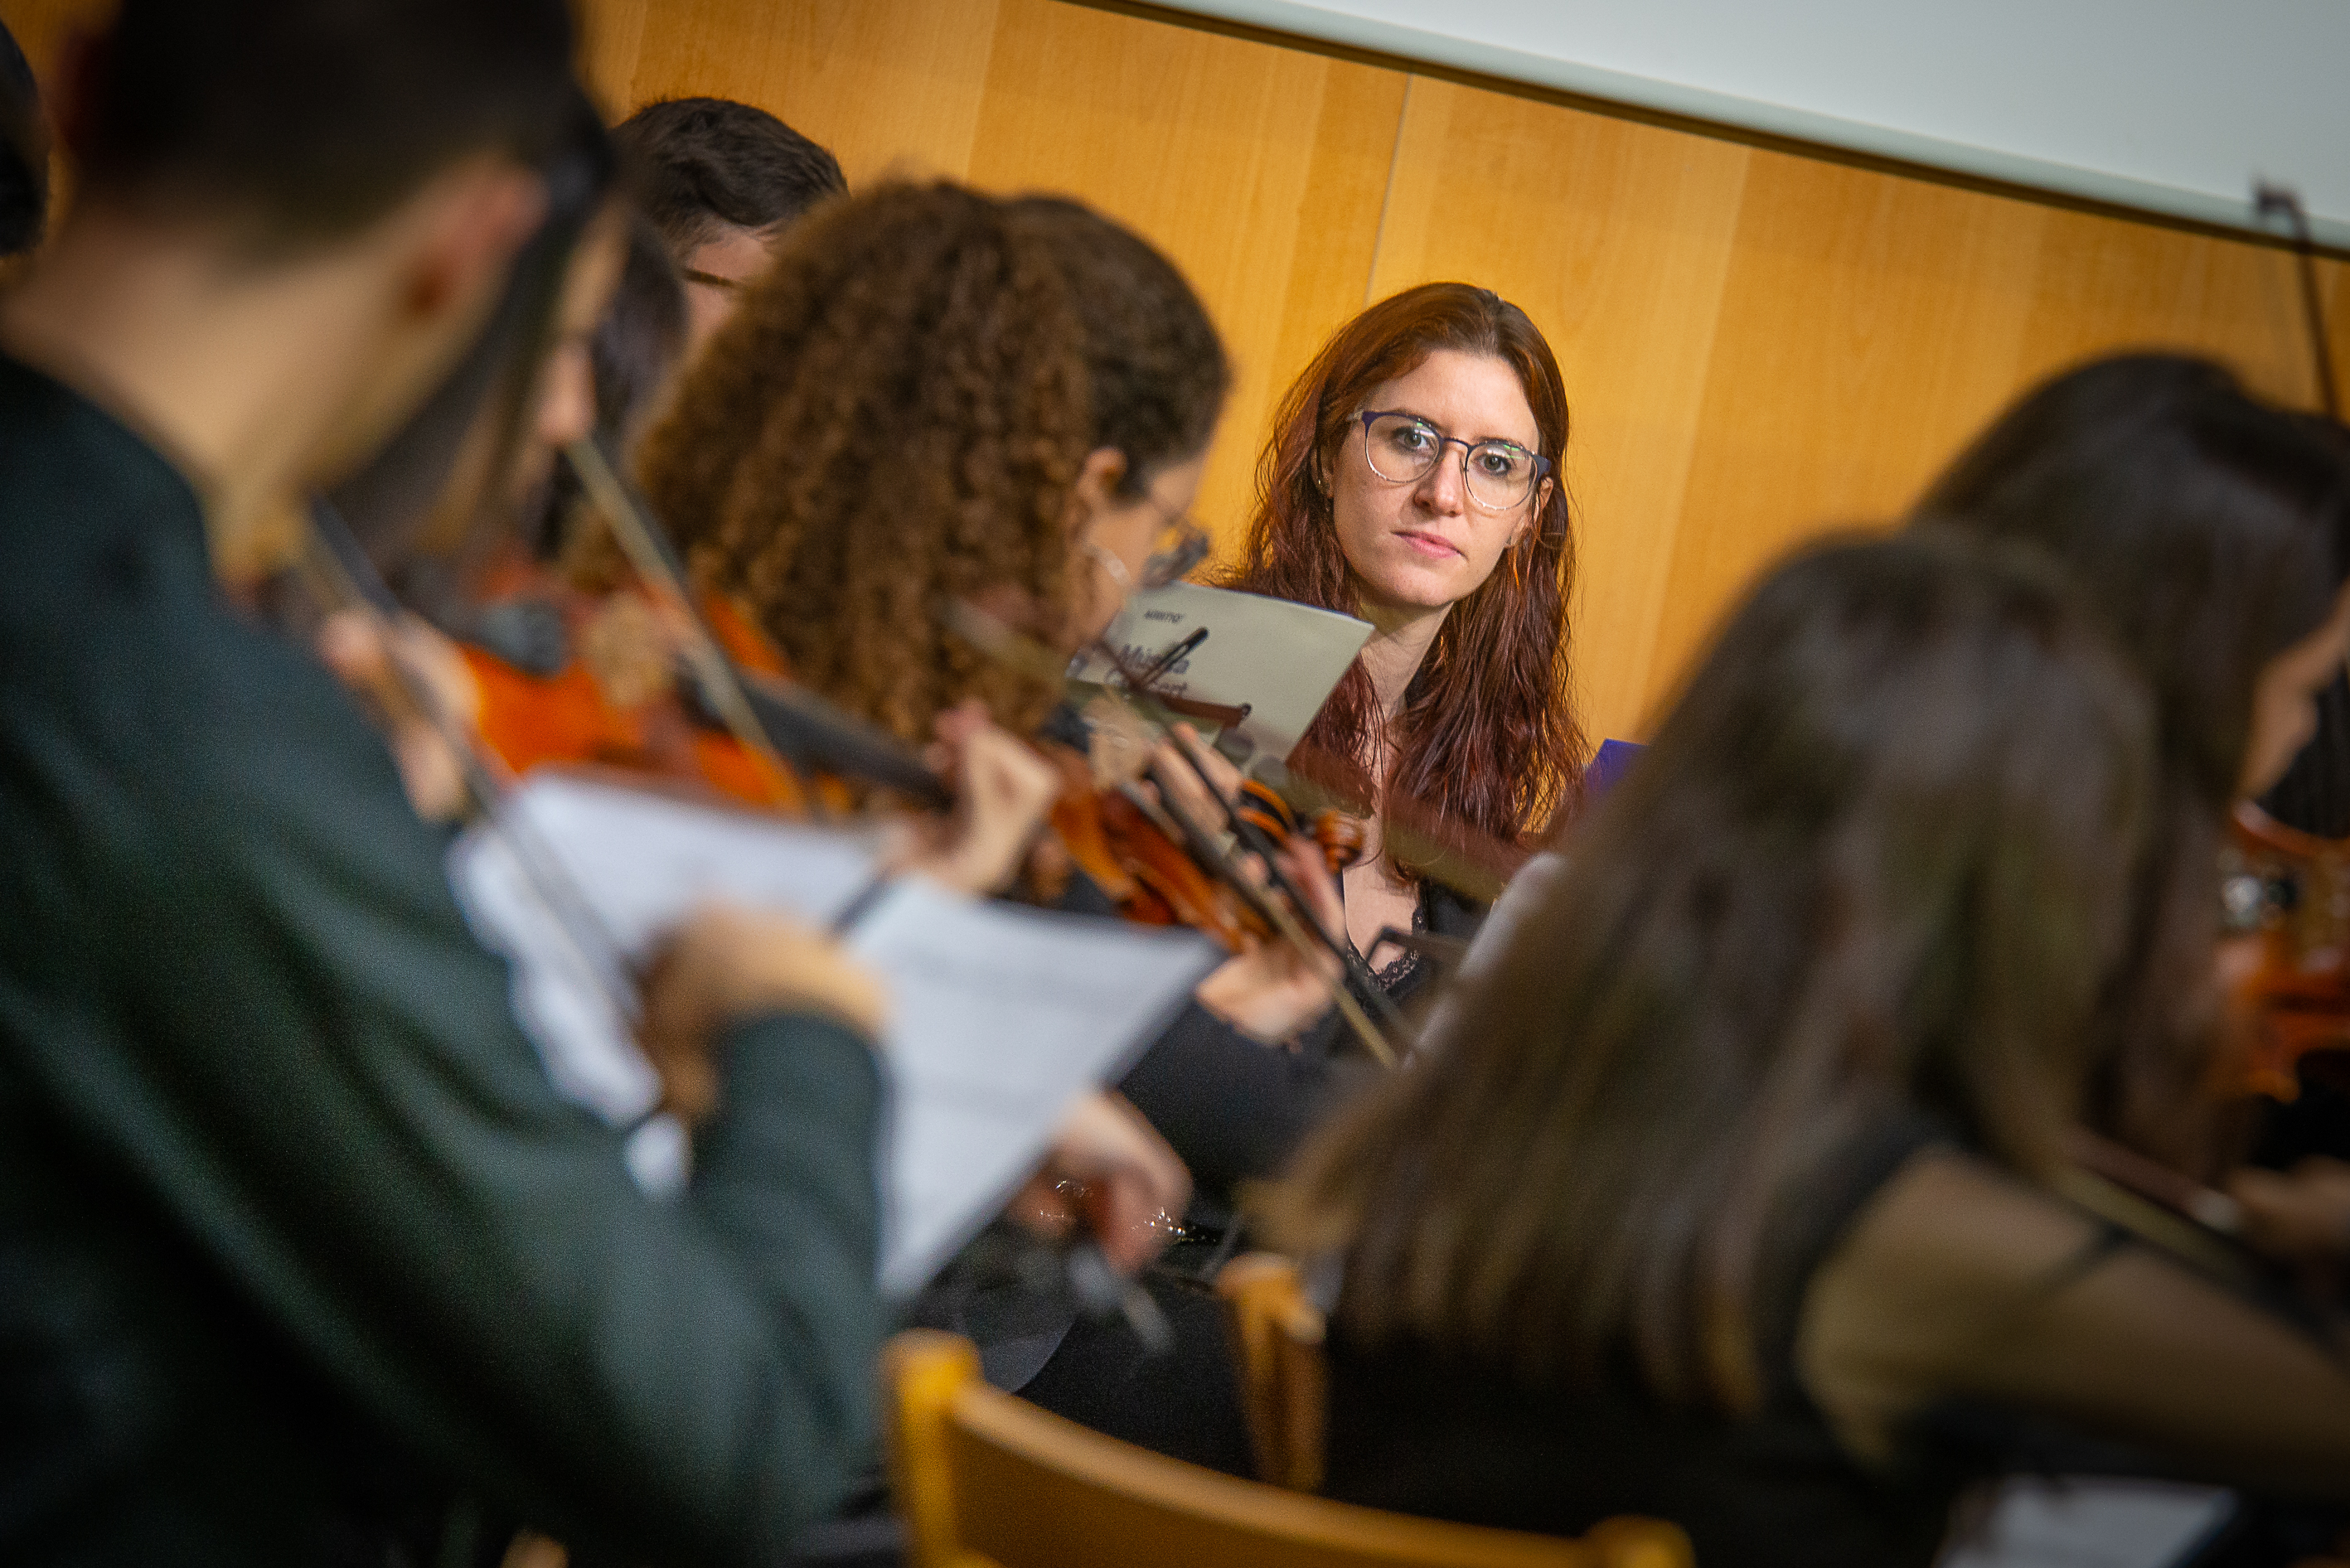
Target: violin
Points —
{"points": [[1156, 864], [646, 679], [2290, 891]]}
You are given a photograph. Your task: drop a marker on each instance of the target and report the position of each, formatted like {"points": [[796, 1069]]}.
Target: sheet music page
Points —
{"points": [[1002, 1016], [1279, 659], [999, 1016]]}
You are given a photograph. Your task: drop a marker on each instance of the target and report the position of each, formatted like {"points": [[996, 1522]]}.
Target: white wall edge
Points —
{"points": [[1310, 21]]}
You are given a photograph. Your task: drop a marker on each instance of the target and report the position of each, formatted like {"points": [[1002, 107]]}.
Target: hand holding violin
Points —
{"points": [[1003, 791]]}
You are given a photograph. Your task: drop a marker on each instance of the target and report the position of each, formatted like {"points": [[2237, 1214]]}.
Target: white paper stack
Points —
{"points": [[999, 1016]]}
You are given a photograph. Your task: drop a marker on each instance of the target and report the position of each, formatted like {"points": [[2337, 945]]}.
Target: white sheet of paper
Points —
{"points": [[2080, 1521], [1000, 1017], [1281, 658]]}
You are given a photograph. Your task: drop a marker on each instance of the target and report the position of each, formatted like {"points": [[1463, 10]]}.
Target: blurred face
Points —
{"points": [[2284, 699], [715, 272], [563, 410], [1113, 537], [1421, 544]]}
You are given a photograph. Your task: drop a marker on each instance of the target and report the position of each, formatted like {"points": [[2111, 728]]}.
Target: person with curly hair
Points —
{"points": [[936, 399], [1455, 730]]}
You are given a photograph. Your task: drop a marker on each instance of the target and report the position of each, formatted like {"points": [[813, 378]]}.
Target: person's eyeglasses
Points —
{"points": [[1180, 546], [1402, 448]]}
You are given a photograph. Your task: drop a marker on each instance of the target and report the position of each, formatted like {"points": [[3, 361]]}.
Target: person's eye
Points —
{"points": [[1503, 461]]}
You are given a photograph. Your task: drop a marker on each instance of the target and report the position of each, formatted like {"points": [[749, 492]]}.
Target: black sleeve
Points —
{"points": [[1232, 1107]]}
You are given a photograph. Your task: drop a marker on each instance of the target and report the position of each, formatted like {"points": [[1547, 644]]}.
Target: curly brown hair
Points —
{"points": [[893, 421]]}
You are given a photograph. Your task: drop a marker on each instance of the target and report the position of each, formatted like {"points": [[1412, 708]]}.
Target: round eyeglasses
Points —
{"points": [[1402, 448]]}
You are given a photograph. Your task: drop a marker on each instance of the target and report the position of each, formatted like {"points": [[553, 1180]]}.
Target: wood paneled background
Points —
{"points": [[1758, 344]]}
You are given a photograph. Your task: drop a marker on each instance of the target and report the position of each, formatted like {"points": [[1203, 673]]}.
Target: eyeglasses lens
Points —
{"points": [[1402, 449], [1182, 546]]}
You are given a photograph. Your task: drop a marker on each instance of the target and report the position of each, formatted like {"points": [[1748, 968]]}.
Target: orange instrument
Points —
{"points": [[2289, 891], [618, 700]]}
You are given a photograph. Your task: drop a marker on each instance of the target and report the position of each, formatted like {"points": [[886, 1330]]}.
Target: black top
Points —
{"points": [[296, 1240], [1415, 1431]]}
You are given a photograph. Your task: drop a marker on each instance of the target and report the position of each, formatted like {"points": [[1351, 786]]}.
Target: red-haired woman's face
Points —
{"points": [[1425, 543]]}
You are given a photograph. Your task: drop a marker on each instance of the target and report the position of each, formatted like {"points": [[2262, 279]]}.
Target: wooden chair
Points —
{"points": [[1276, 1338], [986, 1480]]}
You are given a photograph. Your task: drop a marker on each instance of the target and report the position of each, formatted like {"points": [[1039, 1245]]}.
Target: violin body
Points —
{"points": [[619, 699], [2290, 891]]}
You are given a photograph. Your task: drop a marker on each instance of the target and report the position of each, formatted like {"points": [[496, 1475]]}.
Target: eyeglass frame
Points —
{"points": [[1368, 417], [1160, 568]]}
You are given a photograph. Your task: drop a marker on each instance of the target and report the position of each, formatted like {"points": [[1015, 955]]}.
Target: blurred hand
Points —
{"points": [[723, 965], [1003, 791], [1110, 1170], [2301, 1216], [389, 668], [1183, 780], [1271, 990]]}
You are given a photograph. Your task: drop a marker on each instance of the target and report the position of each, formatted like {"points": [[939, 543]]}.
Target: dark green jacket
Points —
{"points": [[297, 1243]]}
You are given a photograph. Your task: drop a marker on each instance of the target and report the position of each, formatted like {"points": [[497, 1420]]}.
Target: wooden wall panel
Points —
{"points": [[1758, 344], [1259, 171], [889, 86], [1615, 239]]}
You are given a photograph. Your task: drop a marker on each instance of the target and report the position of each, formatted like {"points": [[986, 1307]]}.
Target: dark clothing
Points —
{"points": [[1234, 1110], [1421, 1431], [297, 1241]]}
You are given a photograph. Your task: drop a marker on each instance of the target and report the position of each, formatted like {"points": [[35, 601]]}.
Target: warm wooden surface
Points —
{"points": [[1758, 344]]}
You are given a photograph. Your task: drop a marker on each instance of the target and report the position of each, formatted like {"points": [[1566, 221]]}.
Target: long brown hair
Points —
{"points": [[1875, 863], [895, 417], [1487, 739], [2208, 531]]}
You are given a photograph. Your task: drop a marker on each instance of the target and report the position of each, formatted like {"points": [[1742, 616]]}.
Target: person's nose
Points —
{"points": [[1443, 489]]}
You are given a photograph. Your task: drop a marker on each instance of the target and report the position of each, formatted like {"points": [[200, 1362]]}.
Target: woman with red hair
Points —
{"points": [[1412, 479]]}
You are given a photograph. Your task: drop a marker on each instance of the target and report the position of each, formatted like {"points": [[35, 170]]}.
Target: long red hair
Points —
{"points": [[1486, 745]]}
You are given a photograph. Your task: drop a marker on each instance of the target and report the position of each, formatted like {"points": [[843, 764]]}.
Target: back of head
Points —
{"points": [[309, 120], [895, 418], [706, 162], [2210, 528], [1876, 864], [23, 152]]}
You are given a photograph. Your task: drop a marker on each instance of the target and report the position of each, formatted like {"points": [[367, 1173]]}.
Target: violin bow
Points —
{"points": [[657, 565], [342, 573], [984, 631], [1258, 841], [862, 749], [2281, 200]]}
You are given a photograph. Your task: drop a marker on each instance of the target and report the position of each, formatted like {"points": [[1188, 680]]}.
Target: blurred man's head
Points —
{"points": [[722, 181], [24, 154], [294, 222]]}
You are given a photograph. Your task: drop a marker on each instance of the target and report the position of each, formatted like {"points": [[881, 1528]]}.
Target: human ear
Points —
{"points": [[468, 226], [1096, 484]]}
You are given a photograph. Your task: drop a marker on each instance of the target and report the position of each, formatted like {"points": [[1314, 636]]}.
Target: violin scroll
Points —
{"points": [[2288, 891]]}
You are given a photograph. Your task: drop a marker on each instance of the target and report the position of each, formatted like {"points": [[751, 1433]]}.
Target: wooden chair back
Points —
{"points": [[987, 1480], [1276, 1338]]}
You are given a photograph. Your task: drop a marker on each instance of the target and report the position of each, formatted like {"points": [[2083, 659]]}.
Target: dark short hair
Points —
{"points": [[23, 152], [317, 119], [700, 163]]}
